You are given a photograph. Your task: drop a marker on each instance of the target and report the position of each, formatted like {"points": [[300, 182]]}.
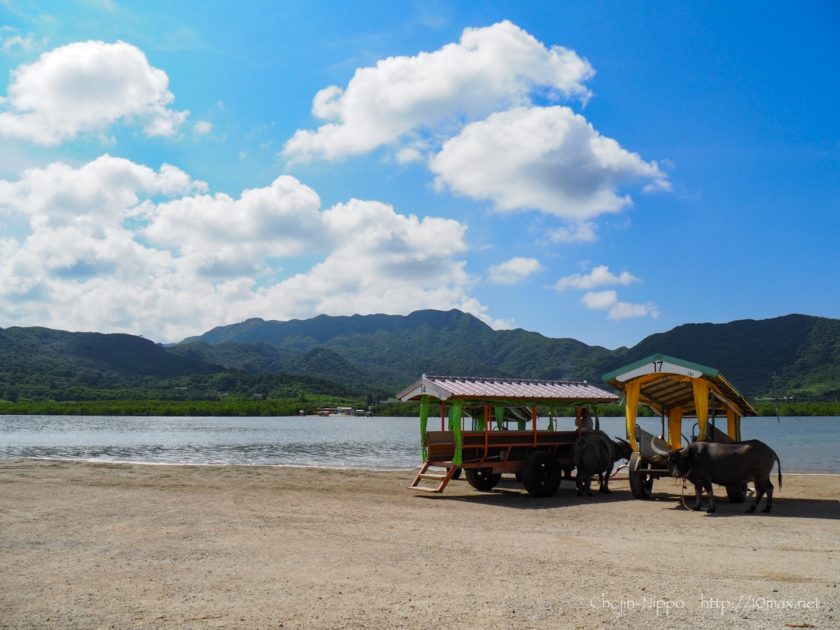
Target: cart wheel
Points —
{"points": [[737, 493], [541, 474], [482, 478], [641, 482]]}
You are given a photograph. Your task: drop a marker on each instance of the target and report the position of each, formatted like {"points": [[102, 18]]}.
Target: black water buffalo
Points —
{"points": [[595, 454], [726, 464]]}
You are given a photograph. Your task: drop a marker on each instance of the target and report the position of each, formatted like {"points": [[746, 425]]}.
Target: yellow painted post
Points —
{"points": [[732, 425], [631, 394], [701, 404], [675, 427]]}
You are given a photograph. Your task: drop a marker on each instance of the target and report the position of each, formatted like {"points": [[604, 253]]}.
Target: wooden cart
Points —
{"points": [[676, 390], [490, 447]]}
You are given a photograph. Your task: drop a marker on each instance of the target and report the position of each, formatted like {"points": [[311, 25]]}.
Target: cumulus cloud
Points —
{"points": [[202, 127], [585, 232], [608, 301], [117, 246], [481, 114], [489, 69], [514, 270], [599, 276], [97, 193], [86, 87], [541, 158], [599, 300]]}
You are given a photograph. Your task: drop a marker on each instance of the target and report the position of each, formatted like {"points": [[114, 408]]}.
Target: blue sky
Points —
{"points": [[599, 170]]}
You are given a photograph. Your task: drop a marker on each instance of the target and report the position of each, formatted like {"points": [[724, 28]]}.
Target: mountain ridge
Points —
{"points": [[791, 355], [801, 351]]}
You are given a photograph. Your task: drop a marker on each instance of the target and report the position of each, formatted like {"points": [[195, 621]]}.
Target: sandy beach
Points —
{"points": [[132, 546]]}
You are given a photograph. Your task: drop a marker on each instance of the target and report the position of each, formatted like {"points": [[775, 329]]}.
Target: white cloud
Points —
{"points": [[608, 300], [514, 270], [11, 41], [623, 310], [202, 127], [86, 87], [491, 68], [585, 232], [599, 300], [98, 193], [117, 246], [599, 276], [541, 158]]}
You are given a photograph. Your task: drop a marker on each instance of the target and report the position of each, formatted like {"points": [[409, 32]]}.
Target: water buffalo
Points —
{"points": [[595, 454], [726, 464]]}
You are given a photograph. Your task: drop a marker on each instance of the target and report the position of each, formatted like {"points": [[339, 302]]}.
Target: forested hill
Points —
{"points": [[380, 354], [389, 351], [38, 364]]}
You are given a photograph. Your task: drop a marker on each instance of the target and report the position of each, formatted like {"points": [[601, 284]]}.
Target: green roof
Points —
{"points": [[677, 394], [705, 369]]}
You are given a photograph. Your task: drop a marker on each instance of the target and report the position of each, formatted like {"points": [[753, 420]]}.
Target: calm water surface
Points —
{"points": [[803, 444]]}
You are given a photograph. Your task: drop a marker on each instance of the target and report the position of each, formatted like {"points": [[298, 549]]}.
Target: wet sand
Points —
{"points": [[118, 545]]}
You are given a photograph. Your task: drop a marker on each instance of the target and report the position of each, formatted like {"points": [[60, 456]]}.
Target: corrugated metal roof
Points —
{"points": [[507, 389]]}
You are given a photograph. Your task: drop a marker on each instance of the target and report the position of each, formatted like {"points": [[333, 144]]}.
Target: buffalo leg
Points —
{"points": [[711, 493], [759, 492], [583, 482], [605, 481], [698, 489], [769, 505]]}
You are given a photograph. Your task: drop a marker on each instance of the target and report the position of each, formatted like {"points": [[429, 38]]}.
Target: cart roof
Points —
{"points": [[503, 390], [666, 384]]}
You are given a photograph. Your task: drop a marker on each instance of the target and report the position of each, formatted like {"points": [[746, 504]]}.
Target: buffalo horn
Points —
{"points": [[658, 449]]}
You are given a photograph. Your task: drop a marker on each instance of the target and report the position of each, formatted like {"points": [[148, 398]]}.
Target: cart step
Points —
{"points": [[442, 479]]}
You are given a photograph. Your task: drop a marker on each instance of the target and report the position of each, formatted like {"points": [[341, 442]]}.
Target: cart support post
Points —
{"points": [[675, 427], [424, 420], [631, 404], [732, 425], [701, 404], [455, 427], [500, 417]]}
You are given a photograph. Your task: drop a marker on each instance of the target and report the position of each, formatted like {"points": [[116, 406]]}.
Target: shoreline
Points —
{"points": [[172, 546], [409, 469]]}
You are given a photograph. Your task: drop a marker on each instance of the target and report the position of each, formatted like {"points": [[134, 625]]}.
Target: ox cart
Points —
{"points": [[677, 391], [489, 427]]}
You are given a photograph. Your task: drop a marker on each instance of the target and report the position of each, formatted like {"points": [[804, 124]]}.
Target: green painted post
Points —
{"points": [[478, 422], [455, 427], [500, 418], [424, 419]]}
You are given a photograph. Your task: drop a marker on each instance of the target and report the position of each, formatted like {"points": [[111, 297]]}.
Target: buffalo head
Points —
{"points": [[679, 462], [623, 450]]}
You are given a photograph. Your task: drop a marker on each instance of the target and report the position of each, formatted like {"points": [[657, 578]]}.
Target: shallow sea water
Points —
{"points": [[808, 444]]}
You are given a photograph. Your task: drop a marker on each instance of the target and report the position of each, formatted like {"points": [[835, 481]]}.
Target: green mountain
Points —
{"points": [[43, 364], [800, 351], [393, 350], [798, 354], [377, 355]]}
